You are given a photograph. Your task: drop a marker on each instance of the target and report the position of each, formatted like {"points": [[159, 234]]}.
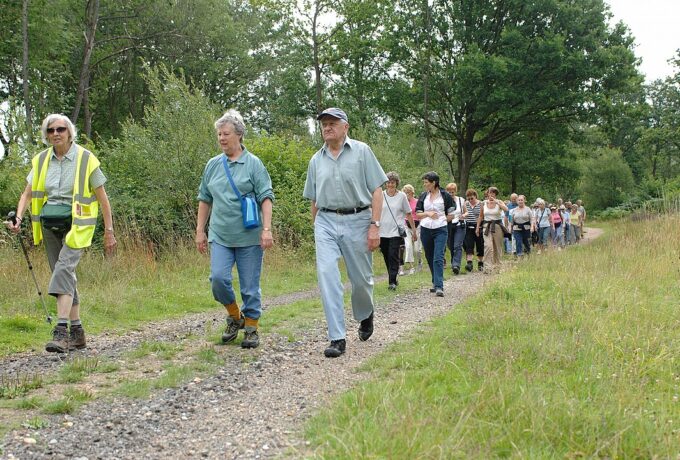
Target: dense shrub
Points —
{"points": [[606, 180]]}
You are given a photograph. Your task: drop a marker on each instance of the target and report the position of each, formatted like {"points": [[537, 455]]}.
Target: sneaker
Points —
{"points": [[480, 266], [440, 293], [76, 338], [456, 270], [412, 271], [59, 342], [366, 328], [233, 326], [251, 339], [401, 271], [392, 287], [433, 289], [335, 349], [468, 266]]}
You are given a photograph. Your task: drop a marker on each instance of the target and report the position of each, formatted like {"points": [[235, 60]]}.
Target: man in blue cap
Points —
{"points": [[344, 183]]}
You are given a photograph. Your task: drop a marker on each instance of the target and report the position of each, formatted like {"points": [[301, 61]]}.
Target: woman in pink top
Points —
{"points": [[413, 249]]}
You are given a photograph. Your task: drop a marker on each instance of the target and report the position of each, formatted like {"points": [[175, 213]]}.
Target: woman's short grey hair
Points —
{"points": [[51, 118], [393, 176], [540, 201], [408, 188], [233, 118]]}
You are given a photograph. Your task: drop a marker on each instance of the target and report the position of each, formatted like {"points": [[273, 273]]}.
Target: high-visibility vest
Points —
{"points": [[84, 206]]}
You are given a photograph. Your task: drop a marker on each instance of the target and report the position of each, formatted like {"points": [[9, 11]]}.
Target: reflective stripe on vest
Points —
{"points": [[85, 207]]}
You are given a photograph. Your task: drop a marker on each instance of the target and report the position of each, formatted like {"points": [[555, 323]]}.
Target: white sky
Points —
{"points": [[654, 24]]}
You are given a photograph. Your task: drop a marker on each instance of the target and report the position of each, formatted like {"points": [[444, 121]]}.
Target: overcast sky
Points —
{"points": [[654, 24]]}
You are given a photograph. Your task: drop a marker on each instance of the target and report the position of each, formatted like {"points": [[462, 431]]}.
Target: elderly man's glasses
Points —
{"points": [[60, 130]]}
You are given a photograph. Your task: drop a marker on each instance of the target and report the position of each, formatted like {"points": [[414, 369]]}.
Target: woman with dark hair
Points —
{"points": [[392, 232], [435, 209], [490, 224], [473, 207]]}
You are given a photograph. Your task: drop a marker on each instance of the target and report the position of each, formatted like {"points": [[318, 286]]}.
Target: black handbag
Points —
{"points": [[56, 217]]}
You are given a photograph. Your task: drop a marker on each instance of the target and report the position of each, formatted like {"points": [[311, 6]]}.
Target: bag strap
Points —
{"points": [[231, 181], [390, 209]]}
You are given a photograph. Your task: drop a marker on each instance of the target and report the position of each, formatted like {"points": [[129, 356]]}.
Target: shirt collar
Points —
{"points": [[242, 157], [346, 143], [70, 155]]}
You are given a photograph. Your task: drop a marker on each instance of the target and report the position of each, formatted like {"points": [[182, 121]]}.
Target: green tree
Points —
{"points": [[606, 179]]}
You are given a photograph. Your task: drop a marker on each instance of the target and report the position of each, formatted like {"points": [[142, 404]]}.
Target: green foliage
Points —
{"points": [[606, 180]]}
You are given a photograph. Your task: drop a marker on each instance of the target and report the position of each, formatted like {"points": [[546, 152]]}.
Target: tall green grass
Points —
{"points": [[127, 290], [570, 355]]}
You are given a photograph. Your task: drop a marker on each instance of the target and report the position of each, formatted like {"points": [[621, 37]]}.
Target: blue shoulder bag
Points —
{"points": [[249, 207]]}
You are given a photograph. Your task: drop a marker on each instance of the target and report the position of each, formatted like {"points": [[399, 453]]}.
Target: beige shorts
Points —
{"points": [[63, 262]]}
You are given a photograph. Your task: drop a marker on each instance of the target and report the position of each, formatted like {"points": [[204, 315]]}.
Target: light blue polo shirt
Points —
{"points": [[226, 221], [344, 182]]}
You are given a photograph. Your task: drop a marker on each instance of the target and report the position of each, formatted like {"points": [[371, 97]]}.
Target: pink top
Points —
{"points": [[413, 203], [556, 217]]}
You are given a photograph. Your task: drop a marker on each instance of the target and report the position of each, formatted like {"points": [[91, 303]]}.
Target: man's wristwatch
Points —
{"points": [[376, 223]]}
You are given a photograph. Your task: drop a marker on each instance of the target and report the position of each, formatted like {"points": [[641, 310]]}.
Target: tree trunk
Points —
{"points": [[513, 178], [91, 19], [24, 65], [87, 114], [426, 85], [315, 51], [464, 154]]}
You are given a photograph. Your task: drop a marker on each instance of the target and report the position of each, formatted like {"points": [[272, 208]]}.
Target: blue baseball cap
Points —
{"points": [[333, 112]]}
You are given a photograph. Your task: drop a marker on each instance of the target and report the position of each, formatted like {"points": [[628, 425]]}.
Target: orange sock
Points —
{"points": [[251, 322], [233, 310]]}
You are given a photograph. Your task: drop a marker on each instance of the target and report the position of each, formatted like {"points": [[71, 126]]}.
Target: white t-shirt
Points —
{"points": [[400, 208], [436, 205]]}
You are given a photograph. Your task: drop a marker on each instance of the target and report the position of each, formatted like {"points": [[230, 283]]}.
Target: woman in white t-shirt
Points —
{"points": [[490, 224], [395, 209], [435, 209]]}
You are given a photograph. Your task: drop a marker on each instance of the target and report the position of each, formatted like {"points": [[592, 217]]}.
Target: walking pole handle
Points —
{"points": [[12, 216]]}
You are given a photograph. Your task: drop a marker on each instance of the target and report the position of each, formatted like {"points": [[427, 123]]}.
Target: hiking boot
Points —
{"points": [[366, 328], [59, 342], [440, 293], [233, 326], [76, 338], [468, 266], [480, 266], [456, 270], [251, 339], [335, 349], [433, 290]]}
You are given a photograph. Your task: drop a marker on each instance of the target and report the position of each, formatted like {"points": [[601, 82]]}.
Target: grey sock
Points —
{"points": [[76, 323], [62, 322]]}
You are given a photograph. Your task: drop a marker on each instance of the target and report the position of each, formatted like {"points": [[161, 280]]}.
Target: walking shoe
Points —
{"points": [[412, 271], [233, 326], [366, 328], [335, 349], [76, 338], [401, 271], [251, 339], [456, 270], [433, 289], [392, 287], [468, 266], [480, 266], [440, 293], [59, 342]]}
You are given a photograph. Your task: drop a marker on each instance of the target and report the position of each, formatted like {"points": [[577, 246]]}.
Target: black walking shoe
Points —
{"points": [[60, 340], [251, 339], [456, 270], [480, 266], [335, 349], [468, 266], [76, 338], [432, 290], [233, 326], [366, 328]]}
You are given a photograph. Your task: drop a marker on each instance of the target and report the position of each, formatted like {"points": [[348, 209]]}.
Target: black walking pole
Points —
{"points": [[13, 217]]}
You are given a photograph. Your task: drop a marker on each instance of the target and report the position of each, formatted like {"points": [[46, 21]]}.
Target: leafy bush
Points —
{"points": [[606, 180]]}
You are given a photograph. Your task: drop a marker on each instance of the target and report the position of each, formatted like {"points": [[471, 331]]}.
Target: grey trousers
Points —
{"points": [[63, 262]]}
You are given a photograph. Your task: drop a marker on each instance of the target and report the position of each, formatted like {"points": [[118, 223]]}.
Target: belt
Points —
{"points": [[345, 211]]}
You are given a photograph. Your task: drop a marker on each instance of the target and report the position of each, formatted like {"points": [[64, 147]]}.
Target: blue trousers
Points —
{"points": [[343, 236], [455, 243], [248, 261], [434, 245]]}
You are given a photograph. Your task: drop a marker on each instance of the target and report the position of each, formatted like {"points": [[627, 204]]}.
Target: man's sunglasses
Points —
{"points": [[60, 130]]}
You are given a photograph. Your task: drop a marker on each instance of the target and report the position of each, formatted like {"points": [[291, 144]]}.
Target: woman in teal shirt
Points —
{"points": [[230, 241]]}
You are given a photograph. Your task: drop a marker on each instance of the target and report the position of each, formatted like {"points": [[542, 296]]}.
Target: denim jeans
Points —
{"points": [[522, 241], [343, 236], [434, 245], [558, 235], [248, 261], [455, 243], [543, 233]]}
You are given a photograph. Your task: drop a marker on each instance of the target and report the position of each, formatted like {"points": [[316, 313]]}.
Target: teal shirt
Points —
{"points": [[347, 181], [226, 221]]}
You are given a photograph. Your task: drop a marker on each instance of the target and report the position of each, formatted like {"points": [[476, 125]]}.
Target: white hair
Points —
{"points": [[235, 119], [51, 118]]}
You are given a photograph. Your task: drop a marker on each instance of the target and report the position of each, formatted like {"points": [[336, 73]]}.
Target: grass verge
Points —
{"points": [[569, 355]]}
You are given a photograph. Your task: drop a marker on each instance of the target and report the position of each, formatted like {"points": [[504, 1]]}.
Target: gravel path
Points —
{"points": [[253, 407]]}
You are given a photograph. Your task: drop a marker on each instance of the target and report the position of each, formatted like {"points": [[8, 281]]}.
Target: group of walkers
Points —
{"points": [[351, 212]]}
